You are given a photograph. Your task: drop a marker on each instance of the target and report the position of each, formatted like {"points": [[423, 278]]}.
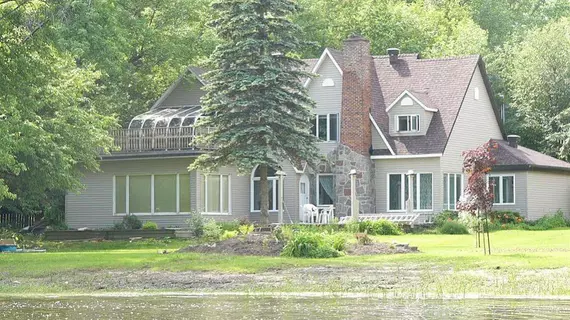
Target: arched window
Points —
{"points": [[255, 190], [328, 82], [407, 101]]}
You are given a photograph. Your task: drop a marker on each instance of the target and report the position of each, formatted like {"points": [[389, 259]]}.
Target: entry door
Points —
{"points": [[304, 192]]}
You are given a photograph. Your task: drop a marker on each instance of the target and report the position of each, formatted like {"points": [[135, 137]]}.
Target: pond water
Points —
{"points": [[252, 307]]}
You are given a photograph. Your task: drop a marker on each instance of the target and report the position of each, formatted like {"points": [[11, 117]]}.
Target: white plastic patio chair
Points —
{"points": [[310, 213], [326, 214]]}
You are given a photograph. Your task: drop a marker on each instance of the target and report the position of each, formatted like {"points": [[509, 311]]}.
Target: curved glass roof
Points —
{"points": [[169, 117]]}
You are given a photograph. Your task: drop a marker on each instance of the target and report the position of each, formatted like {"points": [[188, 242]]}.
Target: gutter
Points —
{"points": [[408, 156], [529, 167]]}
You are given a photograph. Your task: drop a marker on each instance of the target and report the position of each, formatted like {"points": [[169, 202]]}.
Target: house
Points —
{"points": [[380, 115]]}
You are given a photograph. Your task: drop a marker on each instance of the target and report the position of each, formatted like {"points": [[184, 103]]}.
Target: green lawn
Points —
{"points": [[515, 253]]}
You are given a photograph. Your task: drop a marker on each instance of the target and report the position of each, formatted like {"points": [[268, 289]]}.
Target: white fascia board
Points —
{"points": [[408, 156], [320, 62], [406, 92], [381, 134]]}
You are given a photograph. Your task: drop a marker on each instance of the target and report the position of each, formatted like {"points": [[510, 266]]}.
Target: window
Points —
{"points": [[325, 190], [326, 127], [328, 82], [152, 194], [398, 191], [409, 123], [503, 189], [452, 190], [215, 193], [273, 185]]}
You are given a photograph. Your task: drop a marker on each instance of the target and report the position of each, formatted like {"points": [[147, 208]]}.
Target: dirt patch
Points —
{"points": [[254, 244], [379, 248]]}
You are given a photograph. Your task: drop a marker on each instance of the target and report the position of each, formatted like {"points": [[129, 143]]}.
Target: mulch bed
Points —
{"points": [[264, 244], [379, 248], [254, 244]]}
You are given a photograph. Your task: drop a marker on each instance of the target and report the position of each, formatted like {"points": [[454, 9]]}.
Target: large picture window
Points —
{"points": [[152, 194], [325, 190], [408, 123], [398, 191], [326, 127], [503, 189], [452, 190], [273, 190], [215, 193]]}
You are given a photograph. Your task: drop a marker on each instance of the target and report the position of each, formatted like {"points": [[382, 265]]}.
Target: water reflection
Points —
{"points": [[242, 307]]}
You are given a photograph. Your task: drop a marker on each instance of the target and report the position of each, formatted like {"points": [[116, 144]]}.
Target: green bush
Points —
{"points": [[337, 241], [548, 222], [196, 224], [309, 245], [352, 227], [132, 222], [445, 216], [245, 229], [229, 225], [212, 231], [150, 225], [453, 227], [229, 234], [505, 217], [379, 227]]}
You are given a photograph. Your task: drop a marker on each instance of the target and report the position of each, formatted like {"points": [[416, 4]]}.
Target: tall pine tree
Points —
{"points": [[258, 109]]}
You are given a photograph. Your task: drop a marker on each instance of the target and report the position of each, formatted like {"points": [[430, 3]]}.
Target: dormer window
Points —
{"points": [[408, 123]]}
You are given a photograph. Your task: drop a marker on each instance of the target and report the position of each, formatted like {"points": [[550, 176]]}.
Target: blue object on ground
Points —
{"points": [[7, 248]]}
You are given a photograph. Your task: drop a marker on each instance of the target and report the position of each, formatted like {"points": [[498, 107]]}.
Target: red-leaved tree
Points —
{"points": [[477, 197]]}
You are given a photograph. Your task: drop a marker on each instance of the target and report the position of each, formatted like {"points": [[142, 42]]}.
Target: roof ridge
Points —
{"points": [[431, 59]]}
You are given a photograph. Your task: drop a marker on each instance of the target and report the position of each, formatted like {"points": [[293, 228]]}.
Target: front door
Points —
{"points": [[304, 193]]}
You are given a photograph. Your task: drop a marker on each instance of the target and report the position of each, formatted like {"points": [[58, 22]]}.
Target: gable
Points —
{"points": [[186, 92], [476, 123]]}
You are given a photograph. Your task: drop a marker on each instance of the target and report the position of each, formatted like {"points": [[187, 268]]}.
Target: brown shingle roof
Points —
{"points": [[439, 83], [521, 158]]}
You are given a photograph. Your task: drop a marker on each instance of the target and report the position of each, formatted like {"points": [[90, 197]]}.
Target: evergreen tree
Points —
{"points": [[258, 109]]}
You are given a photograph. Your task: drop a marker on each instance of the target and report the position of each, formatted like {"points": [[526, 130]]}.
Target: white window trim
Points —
{"points": [[403, 177], [318, 195], [410, 117], [274, 180], [446, 205], [212, 213], [152, 211], [328, 140], [500, 176]]}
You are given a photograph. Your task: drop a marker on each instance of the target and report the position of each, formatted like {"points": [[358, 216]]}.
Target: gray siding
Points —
{"points": [[475, 125], [521, 199], [547, 192], [187, 92], [328, 99], [377, 142], [425, 118], [425, 165], [93, 207]]}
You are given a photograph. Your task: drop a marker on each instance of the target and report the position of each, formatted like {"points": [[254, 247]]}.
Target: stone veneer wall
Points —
{"points": [[342, 160]]}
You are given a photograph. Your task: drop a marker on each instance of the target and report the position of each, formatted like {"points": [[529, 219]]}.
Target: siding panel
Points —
{"points": [[521, 182], [547, 192], [185, 93]]}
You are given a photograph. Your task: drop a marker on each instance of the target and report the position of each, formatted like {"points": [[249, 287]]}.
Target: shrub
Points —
{"points": [[505, 217], [549, 221], [309, 245], [229, 234], [337, 241], [352, 227], [245, 229], [212, 231], [196, 224], [444, 216], [149, 225], [385, 227], [229, 225], [453, 227], [132, 222]]}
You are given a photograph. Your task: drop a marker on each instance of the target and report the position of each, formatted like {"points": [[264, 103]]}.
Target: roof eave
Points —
{"points": [[529, 167]]}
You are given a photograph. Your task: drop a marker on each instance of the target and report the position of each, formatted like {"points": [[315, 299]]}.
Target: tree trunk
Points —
{"points": [[264, 188]]}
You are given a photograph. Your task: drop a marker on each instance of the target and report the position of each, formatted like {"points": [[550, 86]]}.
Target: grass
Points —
{"points": [[517, 254]]}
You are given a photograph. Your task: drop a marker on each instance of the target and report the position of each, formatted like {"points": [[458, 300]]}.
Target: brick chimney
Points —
{"points": [[356, 95]]}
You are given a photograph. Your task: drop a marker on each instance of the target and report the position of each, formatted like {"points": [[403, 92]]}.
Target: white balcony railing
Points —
{"points": [[156, 139]]}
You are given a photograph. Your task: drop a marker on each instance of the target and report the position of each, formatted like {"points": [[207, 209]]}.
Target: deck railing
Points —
{"points": [[156, 139]]}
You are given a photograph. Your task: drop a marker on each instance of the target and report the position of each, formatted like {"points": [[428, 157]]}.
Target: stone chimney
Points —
{"points": [[513, 140], [356, 95]]}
